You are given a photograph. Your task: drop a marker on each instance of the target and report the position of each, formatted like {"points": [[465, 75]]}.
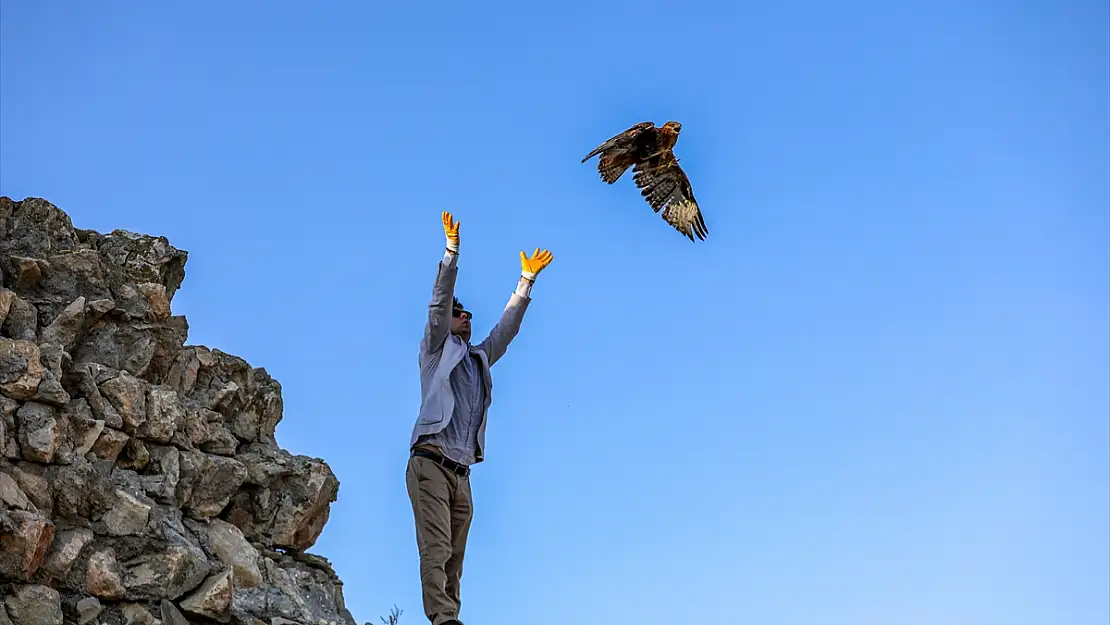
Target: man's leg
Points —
{"points": [[429, 487], [462, 512]]}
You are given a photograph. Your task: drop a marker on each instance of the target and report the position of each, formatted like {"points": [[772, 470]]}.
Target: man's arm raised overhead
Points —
{"points": [[443, 291], [507, 327]]}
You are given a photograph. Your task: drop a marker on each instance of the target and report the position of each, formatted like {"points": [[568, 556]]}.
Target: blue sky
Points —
{"points": [[877, 394]]}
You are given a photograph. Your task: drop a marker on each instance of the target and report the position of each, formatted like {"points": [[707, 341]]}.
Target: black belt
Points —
{"points": [[447, 463]]}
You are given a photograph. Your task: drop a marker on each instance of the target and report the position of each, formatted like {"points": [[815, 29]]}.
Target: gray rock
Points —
{"points": [[136, 471], [164, 414], [50, 390], [27, 538], [294, 519], [84, 427], [168, 572], [213, 598], [66, 326], [87, 610], [12, 496], [163, 473], [104, 576], [39, 433], [34, 604], [128, 516], [82, 490], [21, 369], [135, 614], [34, 227], [22, 321], [33, 481], [6, 297], [171, 615], [84, 377], [66, 549], [110, 444], [207, 483], [220, 440], [227, 543], [127, 394]]}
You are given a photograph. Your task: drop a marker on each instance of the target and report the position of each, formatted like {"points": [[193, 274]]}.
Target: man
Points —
{"points": [[449, 435]]}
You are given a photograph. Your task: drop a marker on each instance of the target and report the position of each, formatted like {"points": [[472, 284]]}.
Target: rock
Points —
{"points": [[137, 259], [35, 227], [157, 302], [9, 446], [71, 274], [6, 298], [50, 390], [294, 519], [97, 308], [109, 444], [171, 615], [39, 434], [85, 428], [104, 576], [28, 271], [22, 321], [207, 483], [21, 371], [220, 440], [82, 490], [128, 395], [196, 428], [213, 598], [169, 572], [34, 483], [135, 614], [86, 375], [182, 375], [65, 327], [26, 539], [135, 455], [128, 516], [67, 547], [163, 473], [34, 604], [87, 610], [163, 415], [227, 543], [138, 474], [12, 496]]}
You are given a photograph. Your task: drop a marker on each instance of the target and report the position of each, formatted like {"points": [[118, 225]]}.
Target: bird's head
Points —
{"points": [[674, 127]]}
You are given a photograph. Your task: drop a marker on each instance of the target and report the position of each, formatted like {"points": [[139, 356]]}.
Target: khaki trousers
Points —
{"points": [[443, 509]]}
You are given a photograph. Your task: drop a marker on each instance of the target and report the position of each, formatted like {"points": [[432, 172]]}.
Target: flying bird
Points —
{"points": [[649, 151]]}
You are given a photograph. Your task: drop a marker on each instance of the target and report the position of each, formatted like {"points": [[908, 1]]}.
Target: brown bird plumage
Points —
{"points": [[649, 151]]}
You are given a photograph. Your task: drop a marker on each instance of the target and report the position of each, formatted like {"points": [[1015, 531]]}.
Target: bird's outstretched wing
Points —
{"points": [[665, 186], [619, 152]]}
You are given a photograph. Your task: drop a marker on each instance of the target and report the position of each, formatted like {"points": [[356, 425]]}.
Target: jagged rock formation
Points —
{"points": [[140, 482]]}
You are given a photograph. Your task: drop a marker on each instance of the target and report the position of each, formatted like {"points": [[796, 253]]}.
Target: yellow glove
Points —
{"points": [[531, 267], [451, 229]]}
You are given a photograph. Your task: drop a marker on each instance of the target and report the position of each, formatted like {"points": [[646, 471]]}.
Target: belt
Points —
{"points": [[447, 463]]}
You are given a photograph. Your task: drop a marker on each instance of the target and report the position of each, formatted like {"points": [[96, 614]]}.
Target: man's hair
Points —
{"points": [[457, 305]]}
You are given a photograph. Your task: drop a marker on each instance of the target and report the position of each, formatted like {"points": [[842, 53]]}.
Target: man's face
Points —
{"points": [[460, 323]]}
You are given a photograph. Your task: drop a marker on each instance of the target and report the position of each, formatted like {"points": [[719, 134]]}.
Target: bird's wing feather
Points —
{"points": [[622, 140], [664, 185]]}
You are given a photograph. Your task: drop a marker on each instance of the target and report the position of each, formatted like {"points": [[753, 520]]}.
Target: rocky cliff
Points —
{"points": [[140, 482]]}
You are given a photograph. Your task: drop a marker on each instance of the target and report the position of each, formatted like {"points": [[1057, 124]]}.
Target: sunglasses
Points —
{"points": [[458, 312]]}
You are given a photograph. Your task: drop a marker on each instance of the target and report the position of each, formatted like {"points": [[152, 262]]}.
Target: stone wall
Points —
{"points": [[140, 482]]}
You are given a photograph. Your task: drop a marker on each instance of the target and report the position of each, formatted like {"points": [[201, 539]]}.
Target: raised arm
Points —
{"points": [[507, 327], [443, 291]]}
